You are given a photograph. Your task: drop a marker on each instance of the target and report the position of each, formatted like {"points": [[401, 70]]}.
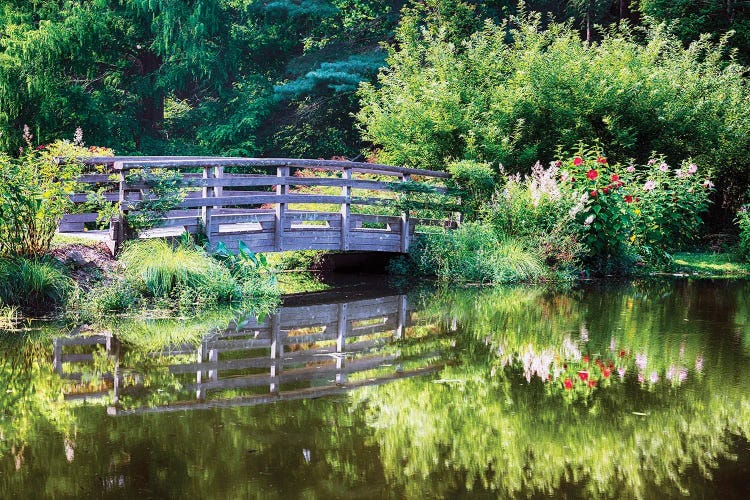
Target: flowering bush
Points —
{"points": [[571, 371], [652, 208], [601, 210], [535, 208], [668, 203]]}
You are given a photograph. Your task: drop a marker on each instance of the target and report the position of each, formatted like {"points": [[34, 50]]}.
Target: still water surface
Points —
{"points": [[637, 390]]}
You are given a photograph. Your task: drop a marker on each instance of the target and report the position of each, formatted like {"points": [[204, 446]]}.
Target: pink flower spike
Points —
{"points": [[664, 167], [649, 186], [692, 168], [630, 169]]}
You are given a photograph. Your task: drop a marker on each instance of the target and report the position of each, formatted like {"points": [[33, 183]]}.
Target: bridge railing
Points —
{"points": [[273, 212]]}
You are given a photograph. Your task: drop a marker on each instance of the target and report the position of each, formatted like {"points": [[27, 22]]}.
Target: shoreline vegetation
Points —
{"points": [[80, 282]]}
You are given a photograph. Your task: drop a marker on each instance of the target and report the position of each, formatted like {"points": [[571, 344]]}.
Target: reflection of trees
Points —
{"points": [[493, 429], [32, 393], [475, 425]]}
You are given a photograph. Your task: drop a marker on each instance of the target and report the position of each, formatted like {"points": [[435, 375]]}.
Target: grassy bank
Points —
{"points": [[711, 265]]}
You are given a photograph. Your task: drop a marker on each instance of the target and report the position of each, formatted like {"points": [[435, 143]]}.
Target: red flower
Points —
{"points": [[628, 198], [577, 161], [601, 160], [606, 373], [606, 190], [592, 174], [583, 375], [622, 353], [615, 177], [568, 384], [558, 163], [592, 383], [585, 359], [593, 193], [572, 179]]}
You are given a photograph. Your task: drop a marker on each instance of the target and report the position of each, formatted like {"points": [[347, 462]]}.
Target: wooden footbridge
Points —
{"points": [[303, 205], [300, 352]]}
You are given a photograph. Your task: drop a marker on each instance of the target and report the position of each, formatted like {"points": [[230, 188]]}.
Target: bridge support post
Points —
{"points": [[282, 189], [277, 354], [346, 208], [405, 229], [205, 209], [341, 344]]}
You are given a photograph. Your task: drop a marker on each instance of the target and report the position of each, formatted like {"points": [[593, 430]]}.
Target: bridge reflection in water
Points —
{"points": [[303, 351]]}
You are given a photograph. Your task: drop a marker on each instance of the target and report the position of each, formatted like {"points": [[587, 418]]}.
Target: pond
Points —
{"points": [[626, 390]]}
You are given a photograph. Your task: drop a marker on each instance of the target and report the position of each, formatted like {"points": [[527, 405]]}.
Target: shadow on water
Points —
{"points": [[633, 390]]}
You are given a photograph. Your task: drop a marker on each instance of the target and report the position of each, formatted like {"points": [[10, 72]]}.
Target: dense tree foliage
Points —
{"points": [[214, 76]]}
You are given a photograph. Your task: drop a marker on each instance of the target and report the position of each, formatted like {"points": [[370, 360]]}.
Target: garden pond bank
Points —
{"points": [[604, 390]]}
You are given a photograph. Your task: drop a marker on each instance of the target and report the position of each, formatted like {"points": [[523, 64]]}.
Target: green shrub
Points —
{"points": [[474, 253], [35, 192], [512, 93], [116, 297], [474, 182], [34, 285], [743, 221]]}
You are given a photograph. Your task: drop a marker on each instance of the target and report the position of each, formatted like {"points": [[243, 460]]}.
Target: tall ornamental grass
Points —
{"points": [[33, 285], [474, 253], [163, 271]]}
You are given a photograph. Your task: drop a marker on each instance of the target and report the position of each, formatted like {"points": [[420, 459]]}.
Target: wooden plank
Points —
{"points": [[130, 163], [237, 345]]}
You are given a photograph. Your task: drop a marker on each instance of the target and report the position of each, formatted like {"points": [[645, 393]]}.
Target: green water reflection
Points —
{"points": [[633, 390]]}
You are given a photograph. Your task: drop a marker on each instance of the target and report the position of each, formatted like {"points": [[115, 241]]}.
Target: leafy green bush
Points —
{"points": [[474, 253], [34, 194], [35, 285], [116, 297], [743, 221], [186, 278], [474, 182], [512, 93]]}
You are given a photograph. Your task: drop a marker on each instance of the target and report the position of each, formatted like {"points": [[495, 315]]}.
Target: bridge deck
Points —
{"points": [[341, 206]]}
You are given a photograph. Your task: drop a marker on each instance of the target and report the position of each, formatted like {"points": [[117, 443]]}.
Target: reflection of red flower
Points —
{"points": [[606, 373], [628, 198], [583, 375], [592, 383], [568, 384], [585, 359], [577, 161], [622, 353], [592, 174]]}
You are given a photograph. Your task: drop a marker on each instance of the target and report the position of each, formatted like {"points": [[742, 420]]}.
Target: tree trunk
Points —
{"points": [[150, 113]]}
